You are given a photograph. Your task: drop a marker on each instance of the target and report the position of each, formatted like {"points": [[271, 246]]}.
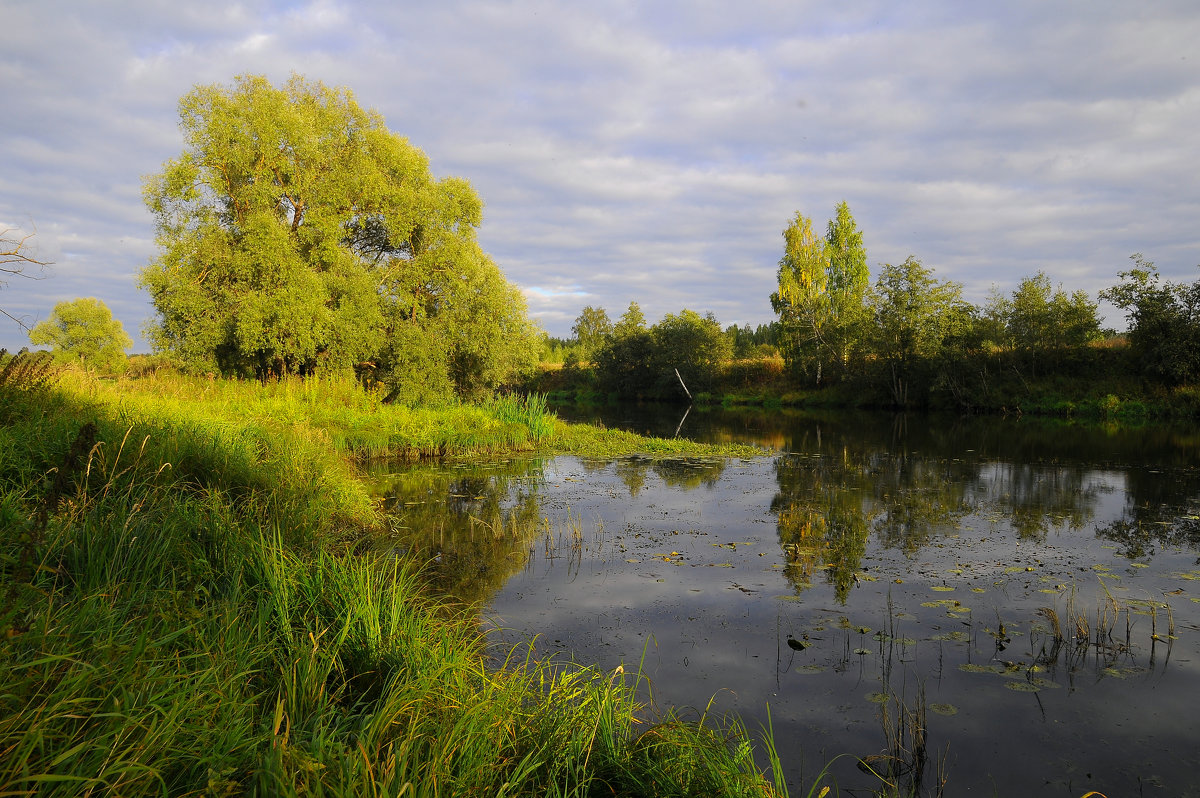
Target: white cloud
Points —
{"points": [[652, 151]]}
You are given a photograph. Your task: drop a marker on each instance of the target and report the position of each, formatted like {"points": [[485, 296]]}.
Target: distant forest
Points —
{"points": [[908, 339]]}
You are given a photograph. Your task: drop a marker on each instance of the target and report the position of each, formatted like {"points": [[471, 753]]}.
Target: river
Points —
{"points": [[1008, 606]]}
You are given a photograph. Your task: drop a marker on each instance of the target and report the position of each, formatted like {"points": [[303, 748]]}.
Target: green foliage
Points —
{"points": [[591, 330], [297, 232], [913, 314], [181, 614], [800, 299], [753, 342], [694, 345], [25, 371], [84, 332], [1164, 322], [1038, 324], [848, 281], [822, 287], [626, 364], [631, 321], [639, 362]]}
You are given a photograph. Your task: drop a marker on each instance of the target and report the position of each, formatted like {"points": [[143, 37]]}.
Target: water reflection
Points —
{"points": [[839, 487], [1008, 587], [473, 525]]}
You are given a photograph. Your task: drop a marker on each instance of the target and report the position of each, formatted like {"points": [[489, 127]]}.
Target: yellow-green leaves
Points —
{"points": [[84, 331], [297, 232]]}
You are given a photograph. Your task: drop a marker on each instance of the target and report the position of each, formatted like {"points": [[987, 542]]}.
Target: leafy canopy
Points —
{"points": [[84, 331], [591, 330], [1164, 321], [913, 314], [297, 231], [822, 286]]}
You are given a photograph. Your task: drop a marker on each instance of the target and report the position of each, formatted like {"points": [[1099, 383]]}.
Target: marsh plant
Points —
{"points": [[1107, 633], [186, 608]]}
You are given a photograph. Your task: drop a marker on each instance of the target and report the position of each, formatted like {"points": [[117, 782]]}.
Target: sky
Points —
{"points": [[650, 151]]}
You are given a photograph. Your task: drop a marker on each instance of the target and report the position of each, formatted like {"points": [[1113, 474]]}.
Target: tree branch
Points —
{"points": [[14, 255], [14, 258]]}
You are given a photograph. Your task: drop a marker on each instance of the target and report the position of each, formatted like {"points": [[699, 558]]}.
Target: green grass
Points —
{"points": [[591, 441], [182, 612]]}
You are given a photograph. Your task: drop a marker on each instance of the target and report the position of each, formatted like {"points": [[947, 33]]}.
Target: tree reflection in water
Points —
{"points": [[909, 486], [473, 525]]}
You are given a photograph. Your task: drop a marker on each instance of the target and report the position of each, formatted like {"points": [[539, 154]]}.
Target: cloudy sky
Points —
{"points": [[650, 151]]}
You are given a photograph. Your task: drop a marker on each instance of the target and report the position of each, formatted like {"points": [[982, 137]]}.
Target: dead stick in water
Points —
{"points": [[685, 390]]}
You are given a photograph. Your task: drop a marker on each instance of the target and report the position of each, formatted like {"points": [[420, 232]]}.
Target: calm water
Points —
{"points": [[1026, 593]]}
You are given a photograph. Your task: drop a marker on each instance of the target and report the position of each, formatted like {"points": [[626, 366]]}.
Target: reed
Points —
{"points": [[1098, 634]]}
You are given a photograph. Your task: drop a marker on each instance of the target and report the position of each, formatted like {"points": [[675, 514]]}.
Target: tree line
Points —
{"points": [[906, 339], [297, 234]]}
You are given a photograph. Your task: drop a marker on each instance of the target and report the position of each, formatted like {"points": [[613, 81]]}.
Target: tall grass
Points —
{"points": [[180, 614], [353, 420]]}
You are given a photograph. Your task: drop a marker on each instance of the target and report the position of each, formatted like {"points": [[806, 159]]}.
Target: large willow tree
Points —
{"points": [[297, 233]]}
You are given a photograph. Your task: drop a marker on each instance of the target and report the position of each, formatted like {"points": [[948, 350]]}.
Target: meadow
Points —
{"points": [[190, 606]]}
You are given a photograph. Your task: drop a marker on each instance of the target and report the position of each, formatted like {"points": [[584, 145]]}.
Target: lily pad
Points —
{"points": [[944, 709], [970, 667], [1023, 687], [941, 588], [952, 636], [877, 698]]}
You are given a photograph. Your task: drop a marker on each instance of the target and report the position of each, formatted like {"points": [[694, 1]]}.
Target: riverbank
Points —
{"points": [[184, 610], [1095, 384]]}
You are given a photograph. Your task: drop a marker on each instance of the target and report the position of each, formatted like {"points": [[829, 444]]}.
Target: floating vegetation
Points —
{"points": [[956, 636], [1023, 687], [970, 667], [1031, 685], [878, 698], [944, 709], [941, 588]]}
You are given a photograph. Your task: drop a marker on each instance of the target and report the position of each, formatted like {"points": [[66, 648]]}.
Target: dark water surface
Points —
{"points": [[1025, 593]]}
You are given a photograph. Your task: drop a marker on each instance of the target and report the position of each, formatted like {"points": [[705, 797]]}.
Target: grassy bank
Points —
{"points": [[1101, 382], [183, 613]]}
